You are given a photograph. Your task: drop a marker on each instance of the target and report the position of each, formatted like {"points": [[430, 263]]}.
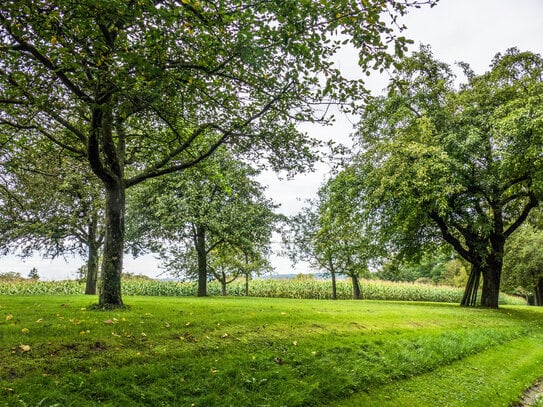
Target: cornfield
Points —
{"points": [[302, 289]]}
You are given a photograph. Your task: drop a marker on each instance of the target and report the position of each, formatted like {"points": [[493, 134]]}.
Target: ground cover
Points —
{"points": [[56, 350]]}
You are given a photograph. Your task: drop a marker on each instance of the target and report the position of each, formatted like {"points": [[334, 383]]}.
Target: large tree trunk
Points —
{"points": [[357, 294], [492, 273], [112, 263], [200, 243], [491, 288]]}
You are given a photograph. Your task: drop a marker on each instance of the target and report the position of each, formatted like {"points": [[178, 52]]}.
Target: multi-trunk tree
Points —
{"points": [[456, 165], [145, 88], [212, 220]]}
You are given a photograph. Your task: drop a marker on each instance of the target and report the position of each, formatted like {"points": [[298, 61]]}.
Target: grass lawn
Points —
{"points": [[55, 350]]}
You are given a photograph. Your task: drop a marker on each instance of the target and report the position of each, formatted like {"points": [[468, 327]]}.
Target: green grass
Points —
{"points": [[264, 352]]}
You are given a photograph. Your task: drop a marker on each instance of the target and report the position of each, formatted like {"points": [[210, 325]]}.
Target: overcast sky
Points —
{"points": [[471, 31]]}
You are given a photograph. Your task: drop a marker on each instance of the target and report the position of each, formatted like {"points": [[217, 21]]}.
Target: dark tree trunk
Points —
{"points": [[334, 285], [200, 244], [223, 288], [112, 263], [469, 299], [92, 269], [247, 284], [92, 261], [357, 294], [491, 288], [333, 276], [538, 293]]}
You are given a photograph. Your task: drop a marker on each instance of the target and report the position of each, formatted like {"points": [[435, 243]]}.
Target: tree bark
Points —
{"points": [[538, 293], [469, 299], [92, 269], [93, 245], [246, 284], [200, 244], [334, 285], [333, 276], [357, 294], [112, 264], [491, 288]]}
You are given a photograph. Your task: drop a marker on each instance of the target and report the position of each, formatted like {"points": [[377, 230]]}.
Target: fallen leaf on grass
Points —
{"points": [[224, 335], [25, 348], [9, 317], [25, 330]]}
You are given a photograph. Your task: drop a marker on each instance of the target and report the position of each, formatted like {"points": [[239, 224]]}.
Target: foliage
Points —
{"points": [[140, 89], [51, 204], [457, 166], [523, 266], [212, 220], [211, 351], [296, 289]]}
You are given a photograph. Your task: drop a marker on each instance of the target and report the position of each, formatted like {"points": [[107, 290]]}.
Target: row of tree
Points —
{"points": [[440, 164], [113, 94]]}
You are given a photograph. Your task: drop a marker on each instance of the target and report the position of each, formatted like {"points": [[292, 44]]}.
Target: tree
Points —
{"points": [[50, 204], [523, 264], [145, 88], [460, 166], [330, 234], [212, 219]]}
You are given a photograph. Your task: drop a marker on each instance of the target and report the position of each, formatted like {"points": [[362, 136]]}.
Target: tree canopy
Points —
{"points": [[456, 165], [210, 220], [140, 89]]}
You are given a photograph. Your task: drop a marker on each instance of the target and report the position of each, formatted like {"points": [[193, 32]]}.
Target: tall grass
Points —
{"points": [[299, 289]]}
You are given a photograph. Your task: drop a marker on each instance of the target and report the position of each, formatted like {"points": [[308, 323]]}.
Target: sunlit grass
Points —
{"points": [[248, 351]]}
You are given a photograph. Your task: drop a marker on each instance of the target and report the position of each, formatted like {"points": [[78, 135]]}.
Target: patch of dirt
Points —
{"points": [[531, 395]]}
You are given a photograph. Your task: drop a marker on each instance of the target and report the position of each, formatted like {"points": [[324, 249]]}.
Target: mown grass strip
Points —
{"points": [[495, 377]]}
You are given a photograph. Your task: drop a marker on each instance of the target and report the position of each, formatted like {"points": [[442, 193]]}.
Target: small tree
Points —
{"points": [[523, 264], [215, 212], [33, 274]]}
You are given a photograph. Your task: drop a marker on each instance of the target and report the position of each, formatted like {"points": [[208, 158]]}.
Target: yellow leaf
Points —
{"points": [[25, 330], [25, 348], [225, 335], [108, 322], [9, 317], [295, 343]]}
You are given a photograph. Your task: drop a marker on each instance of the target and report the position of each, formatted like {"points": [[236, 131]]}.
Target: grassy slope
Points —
{"points": [[248, 351]]}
